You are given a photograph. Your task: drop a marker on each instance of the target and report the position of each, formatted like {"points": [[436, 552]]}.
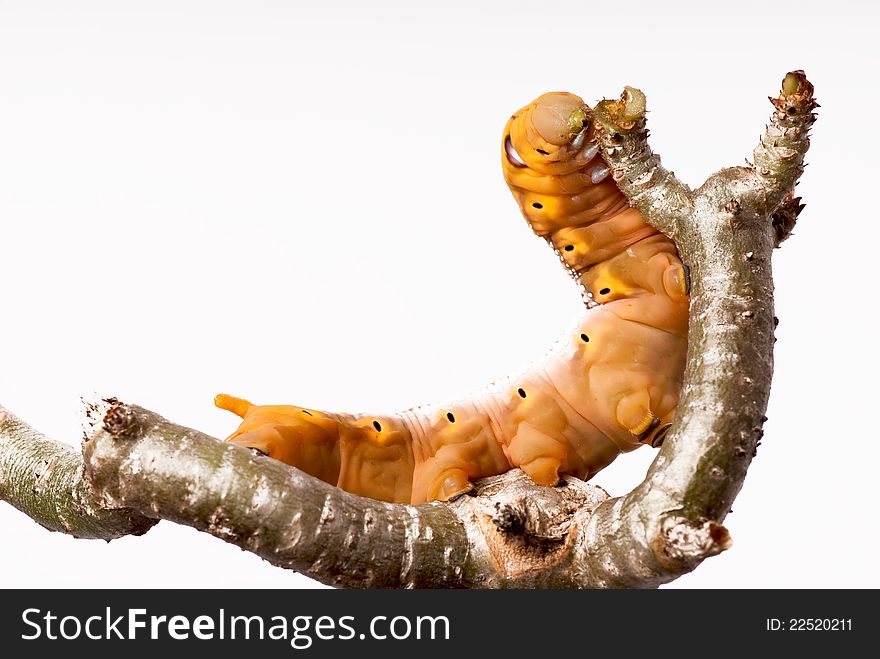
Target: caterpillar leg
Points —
{"points": [[446, 483], [458, 447], [634, 413], [538, 454], [543, 432]]}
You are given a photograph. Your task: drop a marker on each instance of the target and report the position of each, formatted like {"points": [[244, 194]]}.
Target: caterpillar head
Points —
{"points": [[550, 135], [558, 117]]}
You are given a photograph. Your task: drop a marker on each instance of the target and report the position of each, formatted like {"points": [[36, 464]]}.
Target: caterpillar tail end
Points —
{"points": [[238, 406]]}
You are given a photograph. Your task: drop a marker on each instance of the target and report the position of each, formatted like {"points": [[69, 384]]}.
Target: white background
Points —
{"points": [[301, 202]]}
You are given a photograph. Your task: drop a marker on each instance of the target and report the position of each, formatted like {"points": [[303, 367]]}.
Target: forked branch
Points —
{"points": [[137, 467]]}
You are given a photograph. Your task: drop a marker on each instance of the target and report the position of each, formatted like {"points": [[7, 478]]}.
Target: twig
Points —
{"points": [[671, 522], [620, 128]]}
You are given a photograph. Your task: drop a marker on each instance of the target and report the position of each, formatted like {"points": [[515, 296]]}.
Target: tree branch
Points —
{"points": [[650, 187], [138, 459], [511, 533], [779, 157], [671, 522], [43, 479]]}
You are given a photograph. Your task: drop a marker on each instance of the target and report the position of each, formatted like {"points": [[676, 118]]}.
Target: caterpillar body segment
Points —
{"points": [[609, 386], [631, 270]]}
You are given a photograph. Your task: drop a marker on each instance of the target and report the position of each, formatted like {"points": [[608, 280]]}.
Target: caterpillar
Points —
{"points": [[609, 386]]}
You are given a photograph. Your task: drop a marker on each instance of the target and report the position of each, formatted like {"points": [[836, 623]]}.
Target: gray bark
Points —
{"points": [[44, 480], [138, 467]]}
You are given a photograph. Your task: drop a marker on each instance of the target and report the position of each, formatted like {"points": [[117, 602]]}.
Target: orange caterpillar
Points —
{"points": [[609, 386]]}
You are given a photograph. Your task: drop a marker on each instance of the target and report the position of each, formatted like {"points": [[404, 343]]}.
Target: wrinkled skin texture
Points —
{"points": [[609, 386]]}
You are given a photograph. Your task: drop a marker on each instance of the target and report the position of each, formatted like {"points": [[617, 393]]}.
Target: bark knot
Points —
{"points": [[120, 420], [509, 519], [683, 543], [529, 531]]}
